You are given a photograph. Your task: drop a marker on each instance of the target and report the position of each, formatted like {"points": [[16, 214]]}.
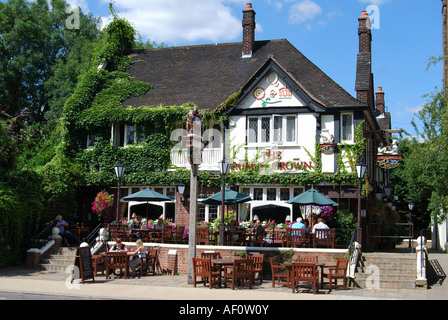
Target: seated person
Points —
{"points": [[119, 247], [320, 225], [299, 225], [61, 224], [140, 252], [136, 225]]}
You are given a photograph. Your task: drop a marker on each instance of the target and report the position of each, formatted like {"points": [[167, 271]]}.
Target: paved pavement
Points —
{"points": [[164, 287]]}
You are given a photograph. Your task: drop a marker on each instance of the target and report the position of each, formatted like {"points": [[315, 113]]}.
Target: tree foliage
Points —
{"points": [[40, 58], [424, 171]]}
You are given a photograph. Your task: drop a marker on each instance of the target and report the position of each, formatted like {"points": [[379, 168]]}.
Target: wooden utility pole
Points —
{"points": [[192, 222], [195, 146]]}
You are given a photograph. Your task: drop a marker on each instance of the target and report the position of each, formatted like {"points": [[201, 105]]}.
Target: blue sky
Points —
{"points": [[406, 35]]}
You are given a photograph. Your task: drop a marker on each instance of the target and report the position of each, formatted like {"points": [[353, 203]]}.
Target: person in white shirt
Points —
{"points": [[320, 225]]}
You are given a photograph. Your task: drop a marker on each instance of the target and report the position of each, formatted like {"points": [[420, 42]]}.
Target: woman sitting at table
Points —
{"points": [[136, 225], [118, 247], [140, 252]]}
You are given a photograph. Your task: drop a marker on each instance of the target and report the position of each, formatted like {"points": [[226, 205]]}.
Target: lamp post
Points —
{"points": [[361, 169], [224, 168], [411, 206], [119, 171]]}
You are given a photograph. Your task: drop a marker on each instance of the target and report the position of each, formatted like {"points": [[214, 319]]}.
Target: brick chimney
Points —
{"points": [[380, 103], [248, 31], [364, 76]]}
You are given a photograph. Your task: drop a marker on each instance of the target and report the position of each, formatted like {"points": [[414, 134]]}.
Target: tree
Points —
{"points": [[37, 54], [423, 174]]}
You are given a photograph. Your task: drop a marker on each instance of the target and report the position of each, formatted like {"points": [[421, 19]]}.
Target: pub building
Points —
{"points": [[287, 111]]}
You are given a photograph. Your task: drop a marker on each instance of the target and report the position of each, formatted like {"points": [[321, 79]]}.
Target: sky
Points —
{"points": [[406, 34]]}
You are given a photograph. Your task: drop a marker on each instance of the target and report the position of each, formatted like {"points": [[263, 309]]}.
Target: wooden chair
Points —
{"points": [[179, 234], [236, 237], [279, 238], [202, 267], [336, 273], [203, 235], [155, 236], [211, 255], [149, 262], [98, 263], [117, 260], [278, 273], [305, 272], [258, 237], [241, 272], [113, 231], [306, 258], [324, 238], [167, 234], [144, 234], [296, 237], [258, 260]]}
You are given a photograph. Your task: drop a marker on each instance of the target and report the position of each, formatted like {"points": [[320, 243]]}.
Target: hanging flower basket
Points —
{"points": [[103, 205]]}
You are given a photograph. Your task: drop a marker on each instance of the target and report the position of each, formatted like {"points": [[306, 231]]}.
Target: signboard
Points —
{"points": [[83, 263]]}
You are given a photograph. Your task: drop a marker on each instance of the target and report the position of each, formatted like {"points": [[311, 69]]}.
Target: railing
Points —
{"points": [[44, 236], [210, 157], [91, 238], [389, 234]]}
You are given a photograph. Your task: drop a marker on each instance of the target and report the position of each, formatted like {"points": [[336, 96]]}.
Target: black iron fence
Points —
{"points": [[385, 236]]}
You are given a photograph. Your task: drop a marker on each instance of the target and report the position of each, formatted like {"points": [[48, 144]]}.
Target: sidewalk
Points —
{"points": [[164, 287]]}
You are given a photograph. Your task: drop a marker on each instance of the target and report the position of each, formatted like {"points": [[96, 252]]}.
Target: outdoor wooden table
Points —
{"points": [[288, 266], [78, 231], [223, 262], [129, 255]]}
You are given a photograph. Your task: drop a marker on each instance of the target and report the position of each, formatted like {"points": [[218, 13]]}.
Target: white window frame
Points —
{"points": [[352, 140], [207, 213], [272, 131]]}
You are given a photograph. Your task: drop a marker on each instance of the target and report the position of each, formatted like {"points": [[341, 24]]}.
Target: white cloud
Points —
{"points": [[374, 2], [404, 109], [304, 11], [177, 21], [79, 3]]}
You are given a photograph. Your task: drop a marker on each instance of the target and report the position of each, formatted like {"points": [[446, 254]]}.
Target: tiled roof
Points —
{"points": [[207, 75]]}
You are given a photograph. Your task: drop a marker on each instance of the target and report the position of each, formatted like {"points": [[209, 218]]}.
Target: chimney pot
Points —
{"points": [[364, 13], [380, 101]]}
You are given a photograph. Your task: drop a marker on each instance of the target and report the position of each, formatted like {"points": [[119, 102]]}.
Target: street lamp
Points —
{"points": [[119, 171], [411, 206], [361, 169], [181, 189], [224, 167], [388, 190]]}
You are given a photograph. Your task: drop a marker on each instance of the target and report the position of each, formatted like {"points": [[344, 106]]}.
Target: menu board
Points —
{"points": [[83, 261]]}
